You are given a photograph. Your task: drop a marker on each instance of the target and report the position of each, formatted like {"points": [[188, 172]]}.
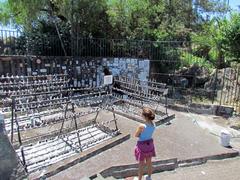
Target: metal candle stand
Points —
{"points": [[145, 91], [24, 85], [24, 89], [25, 103], [91, 99], [27, 88], [103, 126]]}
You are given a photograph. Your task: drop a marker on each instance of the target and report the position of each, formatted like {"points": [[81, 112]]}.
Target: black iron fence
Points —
{"points": [[229, 93], [8, 40], [17, 43], [153, 50]]}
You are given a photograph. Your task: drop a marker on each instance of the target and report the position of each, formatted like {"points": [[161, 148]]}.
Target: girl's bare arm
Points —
{"points": [[139, 130]]}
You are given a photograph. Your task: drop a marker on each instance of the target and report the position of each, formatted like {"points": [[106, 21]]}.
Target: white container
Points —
{"points": [[225, 138]]}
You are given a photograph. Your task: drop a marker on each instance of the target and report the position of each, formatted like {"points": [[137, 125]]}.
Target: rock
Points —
{"points": [[194, 74], [237, 127], [234, 122], [184, 82], [216, 80]]}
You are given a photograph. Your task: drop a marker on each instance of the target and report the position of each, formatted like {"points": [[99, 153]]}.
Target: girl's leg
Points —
{"points": [[140, 169], [149, 166]]}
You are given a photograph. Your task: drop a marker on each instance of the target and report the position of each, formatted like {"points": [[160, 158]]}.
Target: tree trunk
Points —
{"points": [[220, 60]]}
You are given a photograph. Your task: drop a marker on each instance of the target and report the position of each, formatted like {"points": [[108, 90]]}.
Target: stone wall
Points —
{"points": [[218, 110], [10, 166]]}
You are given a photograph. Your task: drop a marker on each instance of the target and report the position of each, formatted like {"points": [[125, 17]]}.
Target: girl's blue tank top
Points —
{"points": [[147, 132]]}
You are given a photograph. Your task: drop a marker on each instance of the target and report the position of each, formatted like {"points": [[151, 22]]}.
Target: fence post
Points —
{"points": [[214, 86], [236, 89], [173, 80], [193, 86], [13, 110], [224, 73]]}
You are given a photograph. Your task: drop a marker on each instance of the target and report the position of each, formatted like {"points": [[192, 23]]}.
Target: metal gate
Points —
{"points": [[230, 91]]}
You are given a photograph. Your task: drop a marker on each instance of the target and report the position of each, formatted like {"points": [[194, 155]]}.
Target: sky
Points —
{"points": [[234, 4]]}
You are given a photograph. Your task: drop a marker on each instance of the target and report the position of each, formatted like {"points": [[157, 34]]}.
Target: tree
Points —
{"points": [[211, 42], [232, 34], [219, 42], [82, 16], [131, 19]]}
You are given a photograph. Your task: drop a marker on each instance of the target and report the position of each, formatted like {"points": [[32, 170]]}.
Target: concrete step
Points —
{"points": [[85, 178], [99, 177], [111, 178]]}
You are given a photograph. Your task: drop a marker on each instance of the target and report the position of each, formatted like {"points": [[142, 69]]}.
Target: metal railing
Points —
{"points": [[17, 43]]}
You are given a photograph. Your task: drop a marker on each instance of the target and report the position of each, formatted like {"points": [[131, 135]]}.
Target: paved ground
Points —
{"points": [[182, 139], [214, 125], [213, 170]]}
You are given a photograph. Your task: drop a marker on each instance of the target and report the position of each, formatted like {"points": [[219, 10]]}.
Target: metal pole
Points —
{"points": [[65, 116], [18, 131], [224, 73], [95, 119], [236, 85], [23, 159], [166, 102], [20, 143], [165, 93], [115, 119], [75, 121], [13, 110], [65, 113], [215, 86]]}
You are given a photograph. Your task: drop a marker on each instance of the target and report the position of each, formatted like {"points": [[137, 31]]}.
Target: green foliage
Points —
{"points": [[5, 13], [189, 59], [232, 34], [128, 19], [219, 40], [155, 20], [22, 12], [211, 41]]}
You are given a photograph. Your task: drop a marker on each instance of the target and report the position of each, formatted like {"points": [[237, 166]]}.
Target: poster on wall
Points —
{"points": [[43, 70], [29, 70], [108, 79]]}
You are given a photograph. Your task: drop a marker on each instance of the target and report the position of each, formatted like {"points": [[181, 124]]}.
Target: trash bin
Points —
{"points": [[225, 138]]}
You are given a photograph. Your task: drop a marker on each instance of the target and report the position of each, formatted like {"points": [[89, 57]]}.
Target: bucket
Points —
{"points": [[225, 138]]}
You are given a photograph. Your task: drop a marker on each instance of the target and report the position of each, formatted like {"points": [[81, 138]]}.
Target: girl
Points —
{"points": [[144, 150]]}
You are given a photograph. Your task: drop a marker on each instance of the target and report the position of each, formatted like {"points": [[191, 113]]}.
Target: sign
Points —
{"points": [[108, 79], [39, 61], [29, 70], [43, 70]]}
